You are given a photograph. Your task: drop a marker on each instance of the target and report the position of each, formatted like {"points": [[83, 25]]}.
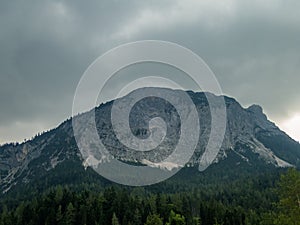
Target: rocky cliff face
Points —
{"points": [[249, 136]]}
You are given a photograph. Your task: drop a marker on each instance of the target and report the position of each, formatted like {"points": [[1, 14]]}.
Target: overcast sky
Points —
{"points": [[45, 46]]}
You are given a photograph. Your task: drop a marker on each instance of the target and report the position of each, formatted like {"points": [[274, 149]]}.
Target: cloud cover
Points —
{"points": [[252, 47]]}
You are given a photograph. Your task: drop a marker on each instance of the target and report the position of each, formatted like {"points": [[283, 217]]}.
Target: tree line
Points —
{"points": [[117, 205]]}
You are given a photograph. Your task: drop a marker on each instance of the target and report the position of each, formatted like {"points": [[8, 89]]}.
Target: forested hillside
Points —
{"points": [[269, 199]]}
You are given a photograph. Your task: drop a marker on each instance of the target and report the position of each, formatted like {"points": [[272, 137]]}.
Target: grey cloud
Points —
{"points": [[255, 54], [252, 46]]}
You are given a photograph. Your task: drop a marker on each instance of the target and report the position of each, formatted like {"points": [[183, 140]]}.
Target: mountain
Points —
{"points": [[251, 143]]}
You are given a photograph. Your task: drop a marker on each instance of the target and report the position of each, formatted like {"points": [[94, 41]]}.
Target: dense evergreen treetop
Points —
{"points": [[244, 203]]}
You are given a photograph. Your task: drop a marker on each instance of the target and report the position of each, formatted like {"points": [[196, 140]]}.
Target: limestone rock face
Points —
{"points": [[249, 135]]}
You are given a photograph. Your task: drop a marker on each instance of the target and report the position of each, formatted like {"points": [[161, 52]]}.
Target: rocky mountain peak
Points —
{"points": [[250, 139], [257, 109]]}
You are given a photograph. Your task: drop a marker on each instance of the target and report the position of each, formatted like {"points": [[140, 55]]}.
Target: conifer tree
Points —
{"points": [[114, 220]]}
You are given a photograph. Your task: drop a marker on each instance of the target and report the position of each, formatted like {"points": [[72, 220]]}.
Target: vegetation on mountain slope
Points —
{"points": [[249, 201]]}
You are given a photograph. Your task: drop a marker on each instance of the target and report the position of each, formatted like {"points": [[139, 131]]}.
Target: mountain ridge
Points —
{"points": [[249, 135]]}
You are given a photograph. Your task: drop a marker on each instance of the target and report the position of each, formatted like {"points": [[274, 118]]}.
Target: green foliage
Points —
{"points": [[114, 220], [154, 219], [245, 201], [176, 219], [70, 214], [289, 194]]}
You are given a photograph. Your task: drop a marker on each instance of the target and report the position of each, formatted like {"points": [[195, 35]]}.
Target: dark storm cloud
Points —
{"points": [[252, 46], [45, 48]]}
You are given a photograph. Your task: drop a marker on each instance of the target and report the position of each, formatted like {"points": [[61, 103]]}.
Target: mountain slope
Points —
{"points": [[251, 141]]}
